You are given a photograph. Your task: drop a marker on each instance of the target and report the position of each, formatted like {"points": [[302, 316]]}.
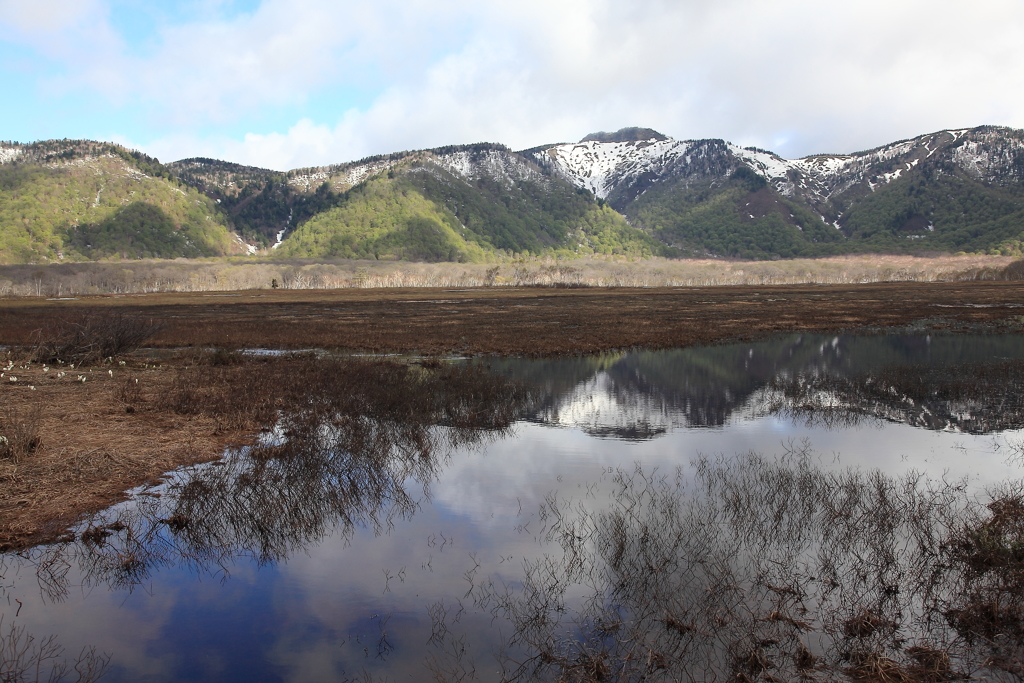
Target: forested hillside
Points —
{"points": [[259, 204], [457, 207], [80, 200], [633, 192], [739, 215]]}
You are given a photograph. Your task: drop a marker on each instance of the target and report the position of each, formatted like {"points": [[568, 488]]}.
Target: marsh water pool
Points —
{"points": [[810, 507]]}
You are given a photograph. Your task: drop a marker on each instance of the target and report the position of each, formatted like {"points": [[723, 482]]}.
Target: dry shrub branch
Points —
{"points": [[92, 337], [342, 441], [75, 440]]}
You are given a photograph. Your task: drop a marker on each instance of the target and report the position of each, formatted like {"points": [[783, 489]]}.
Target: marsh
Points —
{"points": [[829, 507]]}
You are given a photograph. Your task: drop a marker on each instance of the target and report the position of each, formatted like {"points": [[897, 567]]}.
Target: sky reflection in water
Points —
{"points": [[346, 601]]}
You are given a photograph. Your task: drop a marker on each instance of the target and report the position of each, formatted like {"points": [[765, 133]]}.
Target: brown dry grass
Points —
{"points": [[531, 321], [90, 448]]}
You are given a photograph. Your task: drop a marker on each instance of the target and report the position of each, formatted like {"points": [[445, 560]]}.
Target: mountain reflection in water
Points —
{"points": [[427, 523], [970, 384]]}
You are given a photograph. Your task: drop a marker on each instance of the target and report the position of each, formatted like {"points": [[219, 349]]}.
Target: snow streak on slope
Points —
{"points": [[340, 179], [602, 166], [822, 176], [8, 154], [504, 167], [988, 154]]}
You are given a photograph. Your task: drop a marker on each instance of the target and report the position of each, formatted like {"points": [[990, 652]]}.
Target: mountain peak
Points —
{"points": [[625, 135]]}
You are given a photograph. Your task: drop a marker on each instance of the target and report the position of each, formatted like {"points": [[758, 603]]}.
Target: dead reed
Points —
{"points": [[535, 322], [20, 433], [212, 275]]}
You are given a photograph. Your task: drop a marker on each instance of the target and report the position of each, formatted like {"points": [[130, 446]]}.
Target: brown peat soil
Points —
{"points": [[73, 446], [530, 321]]}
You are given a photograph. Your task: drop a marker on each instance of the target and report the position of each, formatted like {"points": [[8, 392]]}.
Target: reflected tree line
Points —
{"points": [[975, 398]]}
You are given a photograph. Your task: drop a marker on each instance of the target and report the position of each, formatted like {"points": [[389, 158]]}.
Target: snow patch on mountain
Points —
{"points": [[821, 177], [770, 166], [340, 179], [358, 174], [495, 164], [601, 166], [989, 155], [250, 249], [9, 154]]}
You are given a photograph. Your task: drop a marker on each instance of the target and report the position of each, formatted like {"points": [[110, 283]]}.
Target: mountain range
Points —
{"points": [[634, 192]]}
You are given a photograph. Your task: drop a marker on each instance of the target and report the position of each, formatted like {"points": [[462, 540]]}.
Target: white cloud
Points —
{"points": [[46, 16], [794, 75], [75, 32]]}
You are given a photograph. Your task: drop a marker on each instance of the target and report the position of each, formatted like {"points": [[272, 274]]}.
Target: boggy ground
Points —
{"points": [[76, 438], [74, 446], [531, 321]]}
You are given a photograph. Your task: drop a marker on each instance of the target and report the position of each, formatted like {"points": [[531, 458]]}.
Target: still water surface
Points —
{"points": [[507, 554]]}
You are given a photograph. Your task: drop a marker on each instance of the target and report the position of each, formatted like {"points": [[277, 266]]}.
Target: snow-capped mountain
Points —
{"points": [[713, 197], [620, 170], [611, 167]]}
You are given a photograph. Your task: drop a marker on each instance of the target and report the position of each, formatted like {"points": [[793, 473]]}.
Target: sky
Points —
{"points": [[292, 83]]}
